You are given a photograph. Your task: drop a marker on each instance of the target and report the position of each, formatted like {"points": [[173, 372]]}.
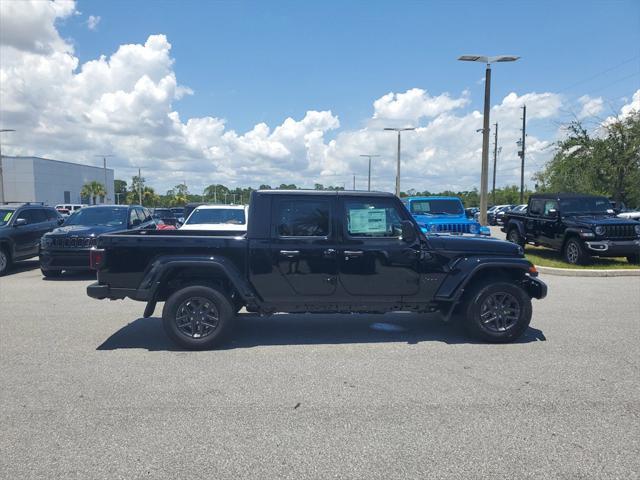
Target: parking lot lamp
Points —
{"points": [[369, 178], [398, 166], [484, 176]]}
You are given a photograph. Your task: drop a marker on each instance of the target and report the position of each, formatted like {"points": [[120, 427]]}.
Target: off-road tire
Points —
{"points": [[481, 295], [178, 303], [574, 252], [513, 235]]}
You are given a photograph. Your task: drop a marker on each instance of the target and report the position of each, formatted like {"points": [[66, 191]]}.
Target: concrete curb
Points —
{"points": [[588, 272]]}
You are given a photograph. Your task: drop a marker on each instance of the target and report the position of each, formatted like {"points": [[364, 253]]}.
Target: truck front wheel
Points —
{"points": [[498, 312], [574, 252], [198, 318]]}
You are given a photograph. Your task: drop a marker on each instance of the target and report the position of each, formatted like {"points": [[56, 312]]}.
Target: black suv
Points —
{"points": [[67, 247], [578, 225], [21, 227]]}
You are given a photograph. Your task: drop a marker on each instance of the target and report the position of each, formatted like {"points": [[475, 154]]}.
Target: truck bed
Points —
{"points": [[130, 254]]}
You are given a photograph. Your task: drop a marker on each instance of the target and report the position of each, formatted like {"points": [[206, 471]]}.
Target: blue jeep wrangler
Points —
{"points": [[442, 215]]}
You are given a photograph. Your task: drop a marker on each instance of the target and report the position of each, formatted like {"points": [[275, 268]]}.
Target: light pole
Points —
{"points": [[484, 176], [104, 166], [398, 166], [369, 179]]}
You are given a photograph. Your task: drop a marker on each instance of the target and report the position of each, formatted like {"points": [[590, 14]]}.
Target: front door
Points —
{"points": [[303, 248], [373, 259]]}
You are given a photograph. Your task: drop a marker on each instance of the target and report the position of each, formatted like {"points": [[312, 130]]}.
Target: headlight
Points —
{"points": [[473, 228], [433, 228], [45, 241], [599, 230], [637, 227]]}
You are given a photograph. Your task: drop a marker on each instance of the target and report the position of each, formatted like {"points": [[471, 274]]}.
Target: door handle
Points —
{"points": [[290, 253], [353, 253]]}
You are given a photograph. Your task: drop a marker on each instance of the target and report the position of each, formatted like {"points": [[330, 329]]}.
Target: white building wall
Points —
{"points": [[33, 179], [17, 179]]}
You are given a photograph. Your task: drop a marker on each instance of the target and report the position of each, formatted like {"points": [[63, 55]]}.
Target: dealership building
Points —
{"points": [[35, 179]]}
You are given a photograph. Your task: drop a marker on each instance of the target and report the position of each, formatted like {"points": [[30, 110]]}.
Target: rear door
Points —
{"points": [[303, 248], [532, 222], [373, 259]]}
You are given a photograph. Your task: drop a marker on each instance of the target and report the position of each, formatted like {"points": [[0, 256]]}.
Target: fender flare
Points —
{"points": [[519, 224], [465, 269], [161, 267]]}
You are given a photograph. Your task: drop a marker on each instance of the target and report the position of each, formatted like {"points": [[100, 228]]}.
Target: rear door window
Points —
{"points": [[302, 217]]}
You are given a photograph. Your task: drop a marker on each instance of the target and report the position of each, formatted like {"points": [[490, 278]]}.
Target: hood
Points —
{"points": [[85, 230], [597, 220], [475, 245]]}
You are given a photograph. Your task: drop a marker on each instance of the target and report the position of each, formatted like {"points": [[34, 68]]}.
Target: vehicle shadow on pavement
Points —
{"points": [[294, 329], [23, 266], [72, 275]]}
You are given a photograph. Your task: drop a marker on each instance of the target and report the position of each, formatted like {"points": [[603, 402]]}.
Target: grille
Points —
{"points": [[453, 227], [74, 242], [620, 231]]}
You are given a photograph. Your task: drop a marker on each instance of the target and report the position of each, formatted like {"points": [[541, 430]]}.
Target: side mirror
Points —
{"points": [[553, 212], [60, 221], [20, 222], [136, 222], [409, 234]]}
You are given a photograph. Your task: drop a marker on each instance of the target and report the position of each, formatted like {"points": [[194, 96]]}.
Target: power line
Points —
{"points": [[588, 79]]}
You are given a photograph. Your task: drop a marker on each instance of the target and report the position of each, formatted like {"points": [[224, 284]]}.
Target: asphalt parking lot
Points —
{"points": [[91, 390]]}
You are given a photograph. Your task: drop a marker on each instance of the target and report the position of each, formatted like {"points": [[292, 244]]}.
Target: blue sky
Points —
{"points": [[250, 62], [295, 92]]}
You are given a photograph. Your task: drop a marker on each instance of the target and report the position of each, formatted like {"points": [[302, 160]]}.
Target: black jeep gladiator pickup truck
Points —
{"points": [[579, 226], [310, 251]]}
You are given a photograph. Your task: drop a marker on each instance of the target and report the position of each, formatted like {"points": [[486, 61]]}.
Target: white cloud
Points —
{"points": [[125, 103], [590, 106], [93, 21], [415, 104], [633, 106]]}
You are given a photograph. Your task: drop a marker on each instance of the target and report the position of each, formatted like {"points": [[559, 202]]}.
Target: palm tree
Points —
{"points": [[93, 190]]}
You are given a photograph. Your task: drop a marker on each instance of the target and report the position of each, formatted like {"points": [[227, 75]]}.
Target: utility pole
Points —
{"points": [[354, 181], [495, 162], [104, 167], [369, 177], [522, 151], [139, 186]]}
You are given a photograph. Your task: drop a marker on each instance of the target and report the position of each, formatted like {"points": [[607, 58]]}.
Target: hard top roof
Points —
{"points": [[562, 195], [345, 193]]}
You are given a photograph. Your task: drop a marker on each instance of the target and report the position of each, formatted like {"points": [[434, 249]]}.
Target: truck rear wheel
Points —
{"points": [[514, 236], [634, 259], [498, 312], [198, 318]]}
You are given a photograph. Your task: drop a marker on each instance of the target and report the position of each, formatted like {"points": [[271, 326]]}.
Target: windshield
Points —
{"points": [[162, 213], [112, 217], [231, 216], [585, 205], [436, 207], [5, 216]]}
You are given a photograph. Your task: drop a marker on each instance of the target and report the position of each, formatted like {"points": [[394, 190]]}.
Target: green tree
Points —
{"points": [[606, 162], [93, 190], [120, 189]]}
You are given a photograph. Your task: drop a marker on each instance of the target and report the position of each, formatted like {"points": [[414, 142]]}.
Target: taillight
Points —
{"points": [[96, 258]]}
